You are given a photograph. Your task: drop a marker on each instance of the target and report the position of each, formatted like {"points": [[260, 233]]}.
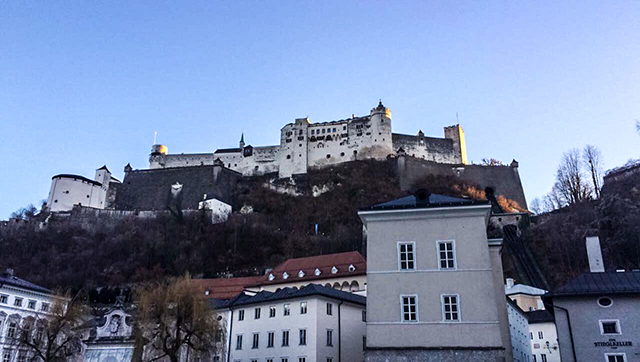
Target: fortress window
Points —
{"points": [[344, 127], [324, 130], [87, 196], [55, 200], [355, 152], [288, 157], [328, 156], [313, 131], [257, 167], [334, 129], [342, 154]]}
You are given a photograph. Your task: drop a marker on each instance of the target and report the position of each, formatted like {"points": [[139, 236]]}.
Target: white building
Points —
{"points": [[434, 282], [305, 145], [20, 303], [69, 190], [528, 298], [519, 329], [310, 324], [543, 336]]}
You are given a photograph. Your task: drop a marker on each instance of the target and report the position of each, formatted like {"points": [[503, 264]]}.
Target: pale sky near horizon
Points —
{"points": [[86, 83]]}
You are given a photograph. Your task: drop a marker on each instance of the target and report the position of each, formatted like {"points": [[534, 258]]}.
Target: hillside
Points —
{"points": [[276, 221], [558, 238]]}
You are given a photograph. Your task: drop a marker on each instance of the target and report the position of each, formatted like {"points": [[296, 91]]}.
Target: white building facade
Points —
{"points": [[519, 329], [69, 190], [20, 302], [434, 279], [311, 324], [305, 145], [543, 336]]}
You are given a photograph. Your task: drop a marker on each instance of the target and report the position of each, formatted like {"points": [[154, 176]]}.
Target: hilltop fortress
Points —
{"points": [[208, 180], [305, 145]]}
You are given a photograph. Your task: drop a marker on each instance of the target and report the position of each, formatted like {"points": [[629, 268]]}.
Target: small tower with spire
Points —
{"points": [[242, 140]]}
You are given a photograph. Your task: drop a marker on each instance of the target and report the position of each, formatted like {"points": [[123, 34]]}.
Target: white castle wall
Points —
{"points": [[304, 145], [67, 190]]}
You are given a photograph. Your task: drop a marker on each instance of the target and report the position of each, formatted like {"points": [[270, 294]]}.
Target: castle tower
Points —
{"points": [[456, 134], [242, 140], [157, 157], [294, 148], [381, 139]]}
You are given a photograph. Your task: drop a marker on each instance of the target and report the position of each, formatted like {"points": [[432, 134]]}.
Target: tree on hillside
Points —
{"points": [[570, 180], [53, 335], [593, 163], [175, 323]]}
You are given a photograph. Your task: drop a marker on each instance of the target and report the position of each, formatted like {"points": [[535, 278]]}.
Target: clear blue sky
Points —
{"points": [[86, 83]]}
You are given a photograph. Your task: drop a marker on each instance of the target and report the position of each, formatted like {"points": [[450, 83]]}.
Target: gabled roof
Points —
{"points": [[540, 316], [601, 283], [524, 289], [435, 200], [291, 293], [8, 279], [324, 263], [224, 288]]}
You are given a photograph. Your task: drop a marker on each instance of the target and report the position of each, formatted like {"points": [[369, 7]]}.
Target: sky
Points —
{"points": [[87, 83]]}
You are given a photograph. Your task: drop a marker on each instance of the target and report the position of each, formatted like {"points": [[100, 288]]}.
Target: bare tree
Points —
{"points": [[536, 206], [570, 180], [593, 163], [175, 322], [54, 335], [553, 200]]}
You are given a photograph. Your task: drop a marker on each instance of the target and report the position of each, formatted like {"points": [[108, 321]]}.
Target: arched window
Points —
{"points": [[355, 286], [345, 286], [336, 285]]}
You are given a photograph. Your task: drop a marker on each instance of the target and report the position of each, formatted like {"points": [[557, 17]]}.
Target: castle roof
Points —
{"points": [[77, 177], [228, 150]]}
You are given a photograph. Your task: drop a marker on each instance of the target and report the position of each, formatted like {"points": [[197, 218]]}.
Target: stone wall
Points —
{"points": [[434, 355], [504, 180]]}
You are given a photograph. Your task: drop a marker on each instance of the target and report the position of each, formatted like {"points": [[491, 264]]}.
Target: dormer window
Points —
{"points": [[300, 274], [352, 268], [334, 270], [285, 275], [317, 272], [272, 277]]}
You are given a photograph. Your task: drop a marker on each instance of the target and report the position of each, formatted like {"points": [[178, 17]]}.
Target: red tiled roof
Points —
{"points": [[225, 288], [324, 263]]}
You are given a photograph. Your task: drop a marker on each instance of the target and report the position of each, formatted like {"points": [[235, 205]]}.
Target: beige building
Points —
{"points": [[434, 287]]}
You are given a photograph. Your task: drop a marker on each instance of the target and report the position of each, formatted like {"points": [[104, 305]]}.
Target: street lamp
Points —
{"points": [[548, 345]]}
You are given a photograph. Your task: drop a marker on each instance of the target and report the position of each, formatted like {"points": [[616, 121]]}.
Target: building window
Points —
{"points": [[17, 302], [285, 338], [450, 308], [32, 304], [287, 310], [446, 255], [256, 340], [269, 359], [44, 307], [409, 308], [540, 335], [406, 257], [272, 312], [270, 339], [6, 356], [605, 302], [534, 358], [531, 335], [11, 330], [256, 313], [329, 359], [329, 337], [364, 315], [284, 359], [610, 327], [303, 307], [302, 359], [22, 356], [218, 337], [543, 357], [364, 342], [303, 337], [239, 341], [329, 309], [616, 357], [240, 315], [4, 299]]}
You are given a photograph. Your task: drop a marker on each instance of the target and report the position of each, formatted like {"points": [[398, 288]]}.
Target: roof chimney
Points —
{"points": [[596, 265], [510, 283]]}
